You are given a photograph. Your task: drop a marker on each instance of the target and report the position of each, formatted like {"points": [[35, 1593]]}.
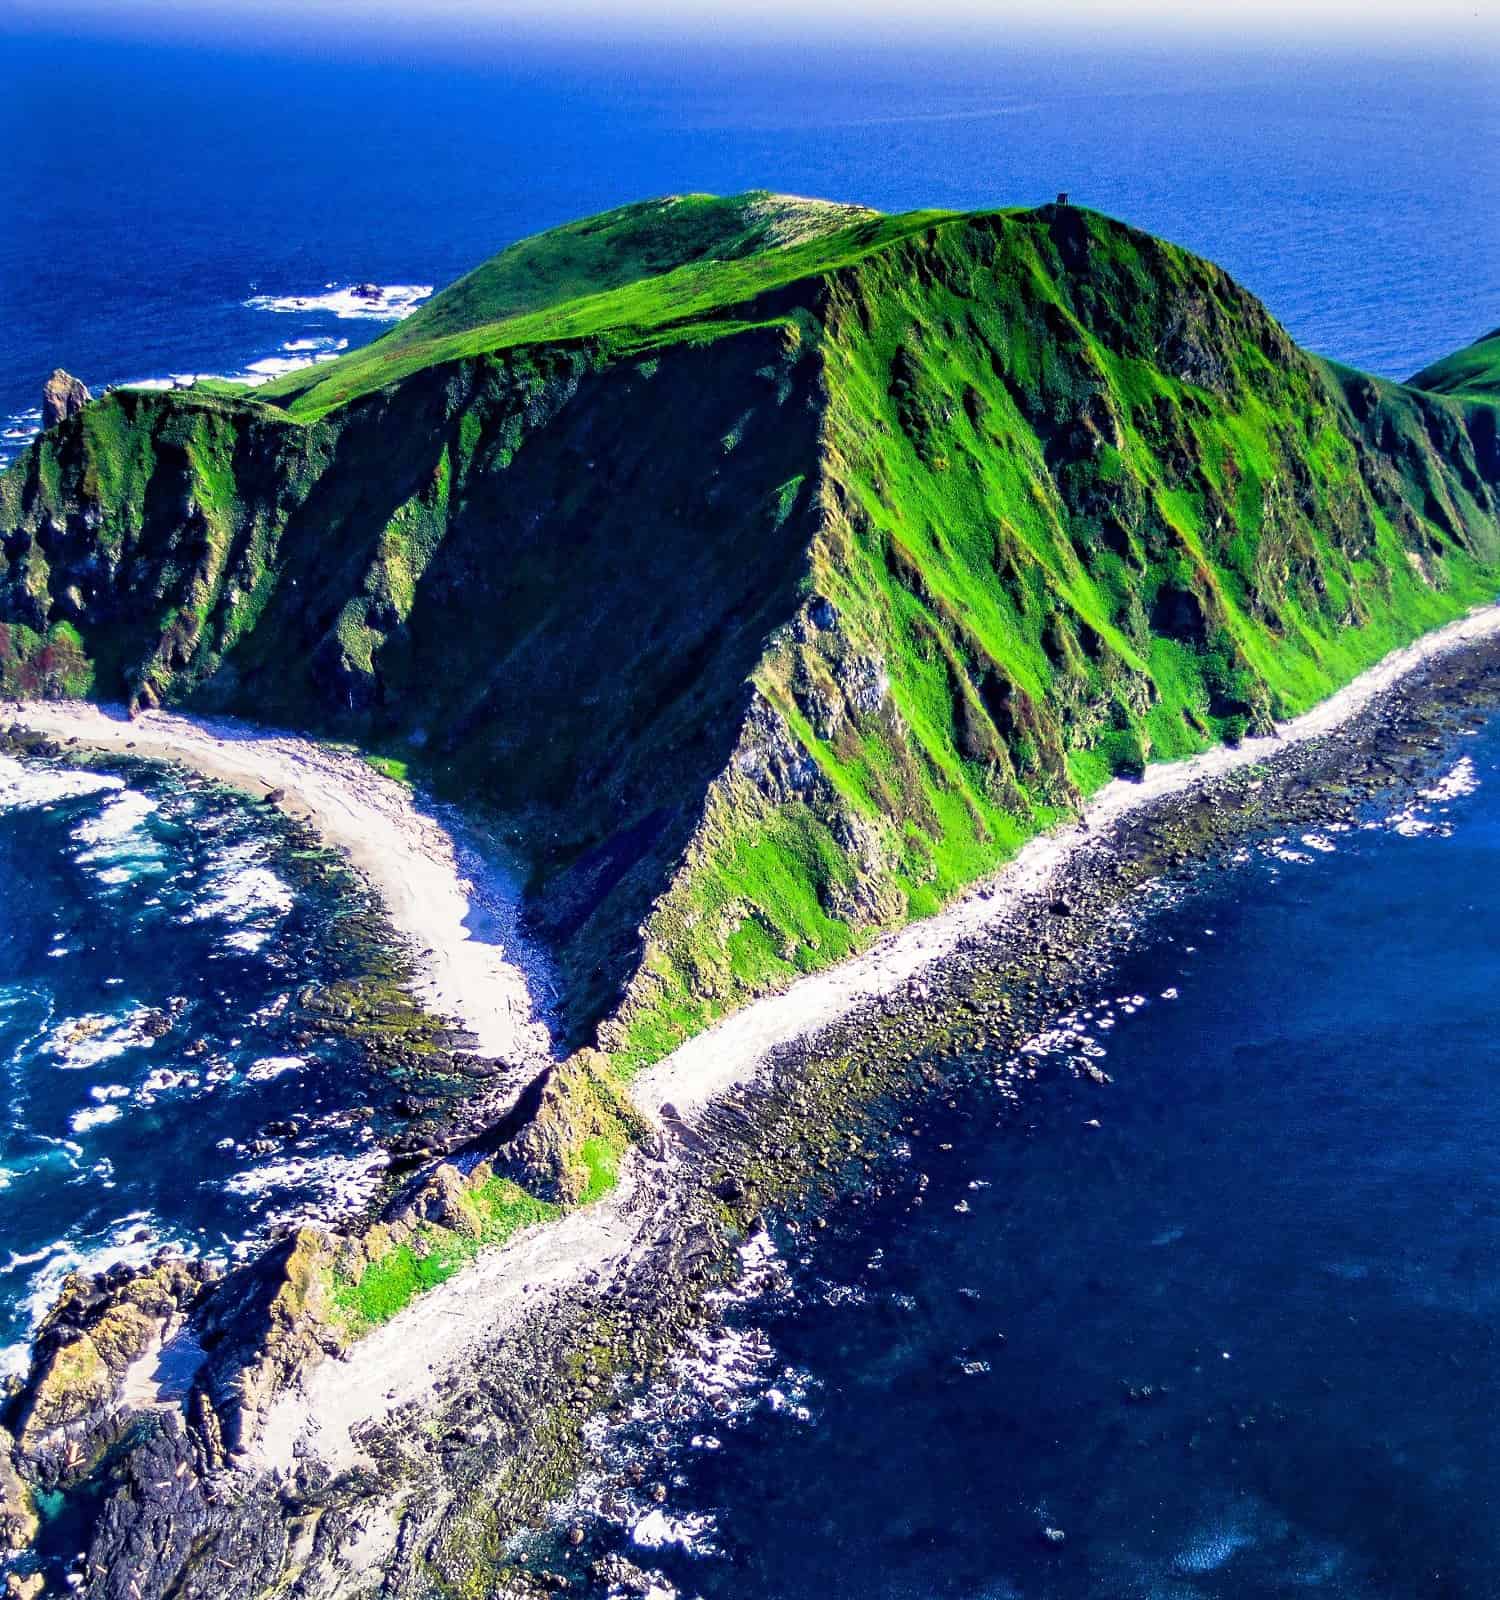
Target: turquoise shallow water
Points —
{"points": [[155, 1087], [1225, 1324]]}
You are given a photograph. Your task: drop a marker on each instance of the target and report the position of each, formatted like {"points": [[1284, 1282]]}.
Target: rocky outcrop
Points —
{"points": [[265, 1326], [18, 1519], [63, 396], [99, 1329], [571, 1104]]}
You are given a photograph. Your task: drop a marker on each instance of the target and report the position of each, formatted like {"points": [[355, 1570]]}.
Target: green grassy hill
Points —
{"points": [[560, 283], [771, 569], [1474, 370]]}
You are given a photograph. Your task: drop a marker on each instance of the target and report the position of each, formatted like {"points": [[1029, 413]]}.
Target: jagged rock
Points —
{"points": [[267, 1324], [18, 1518], [63, 396], [86, 1345], [441, 1200], [574, 1102], [621, 1576]]}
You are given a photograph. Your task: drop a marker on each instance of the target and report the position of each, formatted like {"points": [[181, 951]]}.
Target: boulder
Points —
{"points": [[441, 1200], [63, 396]]}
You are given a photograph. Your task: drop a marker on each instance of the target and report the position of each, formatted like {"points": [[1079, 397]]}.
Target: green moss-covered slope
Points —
{"points": [[1473, 370], [513, 296], [771, 569]]}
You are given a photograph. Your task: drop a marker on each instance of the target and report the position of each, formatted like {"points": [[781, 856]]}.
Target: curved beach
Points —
{"points": [[454, 906]]}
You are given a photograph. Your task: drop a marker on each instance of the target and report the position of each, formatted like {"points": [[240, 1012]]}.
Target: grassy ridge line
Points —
{"points": [[584, 259], [1474, 370], [785, 595], [633, 319]]}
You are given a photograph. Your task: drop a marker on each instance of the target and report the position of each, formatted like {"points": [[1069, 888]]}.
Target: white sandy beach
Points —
{"points": [[457, 916], [403, 1360], [714, 1061]]}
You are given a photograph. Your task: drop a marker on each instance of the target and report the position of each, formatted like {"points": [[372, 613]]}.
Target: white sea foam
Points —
{"points": [[295, 355], [120, 848], [274, 1067], [1461, 779], [118, 820], [19, 430], [368, 302], [24, 788], [241, 888], [93, 1117], [132, 1239], [269, 368], [86, 1041], [656, 1530], [321, 1184]]}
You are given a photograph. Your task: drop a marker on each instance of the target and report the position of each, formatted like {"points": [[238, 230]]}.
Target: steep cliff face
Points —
{"points": [[780, 586], [1084, 505]]}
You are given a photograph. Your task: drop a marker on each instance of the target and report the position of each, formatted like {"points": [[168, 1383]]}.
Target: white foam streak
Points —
{"points": [[24, 788], [367, 302]]}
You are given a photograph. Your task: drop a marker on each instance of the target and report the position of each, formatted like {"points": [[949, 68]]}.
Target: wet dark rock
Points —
{"points": [[620, 1576]]}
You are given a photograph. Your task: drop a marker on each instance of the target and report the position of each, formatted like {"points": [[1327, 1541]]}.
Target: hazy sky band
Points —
{"points": [[1409, 24]]}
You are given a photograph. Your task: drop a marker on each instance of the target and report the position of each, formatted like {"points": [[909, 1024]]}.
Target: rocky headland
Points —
{"points": [[837, 618]]}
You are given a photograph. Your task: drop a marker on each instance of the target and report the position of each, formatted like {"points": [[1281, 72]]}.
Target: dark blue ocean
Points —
{"points": [[152, 192], [1224, 1324], [157, 1088]]}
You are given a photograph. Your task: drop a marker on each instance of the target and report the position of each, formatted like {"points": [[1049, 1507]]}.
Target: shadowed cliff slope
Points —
{"points": [[772, 569]]}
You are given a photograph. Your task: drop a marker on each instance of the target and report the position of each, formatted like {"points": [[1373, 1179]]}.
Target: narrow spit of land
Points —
{"points": [[404, 853]]}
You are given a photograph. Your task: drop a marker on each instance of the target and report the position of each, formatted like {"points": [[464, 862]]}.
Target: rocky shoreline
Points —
{"points": [[186, 1506]]}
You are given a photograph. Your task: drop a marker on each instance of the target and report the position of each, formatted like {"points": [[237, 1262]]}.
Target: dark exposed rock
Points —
{"points": [[85, 1347], [620, 1576]]}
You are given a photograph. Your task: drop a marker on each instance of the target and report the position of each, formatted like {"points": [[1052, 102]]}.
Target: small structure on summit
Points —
{"points": [[63, 396], [1062, 197]]}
